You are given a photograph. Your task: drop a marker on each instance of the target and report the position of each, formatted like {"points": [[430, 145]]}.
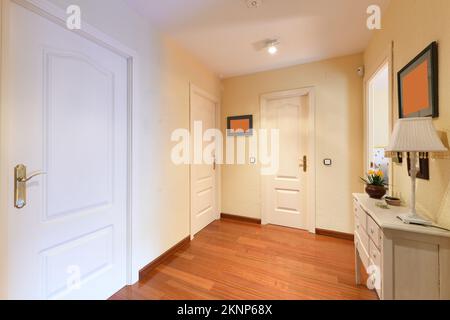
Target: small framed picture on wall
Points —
{"points": [[240, 125], [418, 85]]}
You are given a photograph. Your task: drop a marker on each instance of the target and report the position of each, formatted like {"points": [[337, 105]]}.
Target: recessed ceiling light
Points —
{"points": [[272, 50], [272, 46], [254, 4]]}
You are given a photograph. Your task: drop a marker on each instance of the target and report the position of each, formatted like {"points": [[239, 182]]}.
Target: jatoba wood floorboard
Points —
{"points": [[238, 260]]}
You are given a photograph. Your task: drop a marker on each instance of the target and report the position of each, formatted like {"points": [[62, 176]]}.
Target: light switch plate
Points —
{"points": [[252, 160], [327, 162]]}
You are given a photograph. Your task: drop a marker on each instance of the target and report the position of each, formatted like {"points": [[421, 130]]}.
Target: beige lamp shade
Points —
{"points": [[415, 135]]}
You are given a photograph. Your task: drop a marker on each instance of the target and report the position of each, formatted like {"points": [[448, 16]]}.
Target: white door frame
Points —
{"points": [[386, 58], [193, 89], [57, 15], [311, 180]]}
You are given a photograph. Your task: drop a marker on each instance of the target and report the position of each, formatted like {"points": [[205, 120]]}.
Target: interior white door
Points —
{"points": [[287, 197], [203, 176], [65, 114]]}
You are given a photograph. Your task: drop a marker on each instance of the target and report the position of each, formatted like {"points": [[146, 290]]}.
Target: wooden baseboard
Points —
{"points": [[240, 218], [335, 234], [166, 255]]}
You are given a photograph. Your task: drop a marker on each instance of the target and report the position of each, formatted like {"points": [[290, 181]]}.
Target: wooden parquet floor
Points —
{"points": [[231, 260]]}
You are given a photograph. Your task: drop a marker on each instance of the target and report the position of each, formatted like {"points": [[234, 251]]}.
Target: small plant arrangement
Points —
{"points": [[375, 184], [375, 178]]}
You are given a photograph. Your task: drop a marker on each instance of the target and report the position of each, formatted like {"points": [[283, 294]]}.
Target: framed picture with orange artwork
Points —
{"points": [[418, 85], [240, 125]]}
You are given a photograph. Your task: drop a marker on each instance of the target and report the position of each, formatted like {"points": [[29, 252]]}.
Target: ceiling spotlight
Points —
{"points": [[272, 47], [254, 4]]}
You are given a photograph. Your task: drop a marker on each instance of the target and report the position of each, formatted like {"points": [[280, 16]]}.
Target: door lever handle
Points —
{"points": [[304, 164], [26, 179], [20, 185]]}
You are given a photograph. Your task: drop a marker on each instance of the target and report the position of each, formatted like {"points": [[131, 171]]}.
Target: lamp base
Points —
{"points": [[410, 218]]}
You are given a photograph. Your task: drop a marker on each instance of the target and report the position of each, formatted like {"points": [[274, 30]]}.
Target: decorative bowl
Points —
{"points": [[396, 202]]}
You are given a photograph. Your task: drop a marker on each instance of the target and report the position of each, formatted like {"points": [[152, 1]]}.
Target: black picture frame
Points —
{"points": [[245, 117], [430, 53]]}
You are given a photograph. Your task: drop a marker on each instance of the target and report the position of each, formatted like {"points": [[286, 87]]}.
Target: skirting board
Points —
{"points": [[335, 234], [166, 255], [240, 218]]}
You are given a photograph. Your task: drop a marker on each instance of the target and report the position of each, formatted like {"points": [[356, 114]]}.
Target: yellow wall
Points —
{"points": [[413, 25], [339, 130], [171, 188]]}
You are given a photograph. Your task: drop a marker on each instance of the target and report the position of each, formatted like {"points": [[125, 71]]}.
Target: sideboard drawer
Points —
{"points": [[363, 239], [355, 207], [363, 253], [374, 232], [362, 216], [375, 255], [358, 227]]}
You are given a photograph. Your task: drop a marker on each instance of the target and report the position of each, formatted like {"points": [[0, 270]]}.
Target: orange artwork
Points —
{"points": [[415, 90], [240, 124]]}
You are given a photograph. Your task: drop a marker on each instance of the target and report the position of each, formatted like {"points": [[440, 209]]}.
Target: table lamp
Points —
{"points": [[414, 136]]}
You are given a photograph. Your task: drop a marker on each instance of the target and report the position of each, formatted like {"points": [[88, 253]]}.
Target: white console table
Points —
{"points": [[404, 261]]}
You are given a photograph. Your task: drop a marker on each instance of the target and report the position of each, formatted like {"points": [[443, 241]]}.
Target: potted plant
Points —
{"points": [[375, 184]]}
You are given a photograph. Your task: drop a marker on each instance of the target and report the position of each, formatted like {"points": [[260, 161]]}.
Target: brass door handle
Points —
{"points": [[39, 173], [304, 164], [20, 185]]}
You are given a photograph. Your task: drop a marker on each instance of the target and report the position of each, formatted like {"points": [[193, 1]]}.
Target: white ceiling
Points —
{"points": [[224, 33]]}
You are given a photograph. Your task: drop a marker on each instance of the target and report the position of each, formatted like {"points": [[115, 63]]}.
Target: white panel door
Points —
{"points": [[287, 188], [203, 176], [66, 114]]}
